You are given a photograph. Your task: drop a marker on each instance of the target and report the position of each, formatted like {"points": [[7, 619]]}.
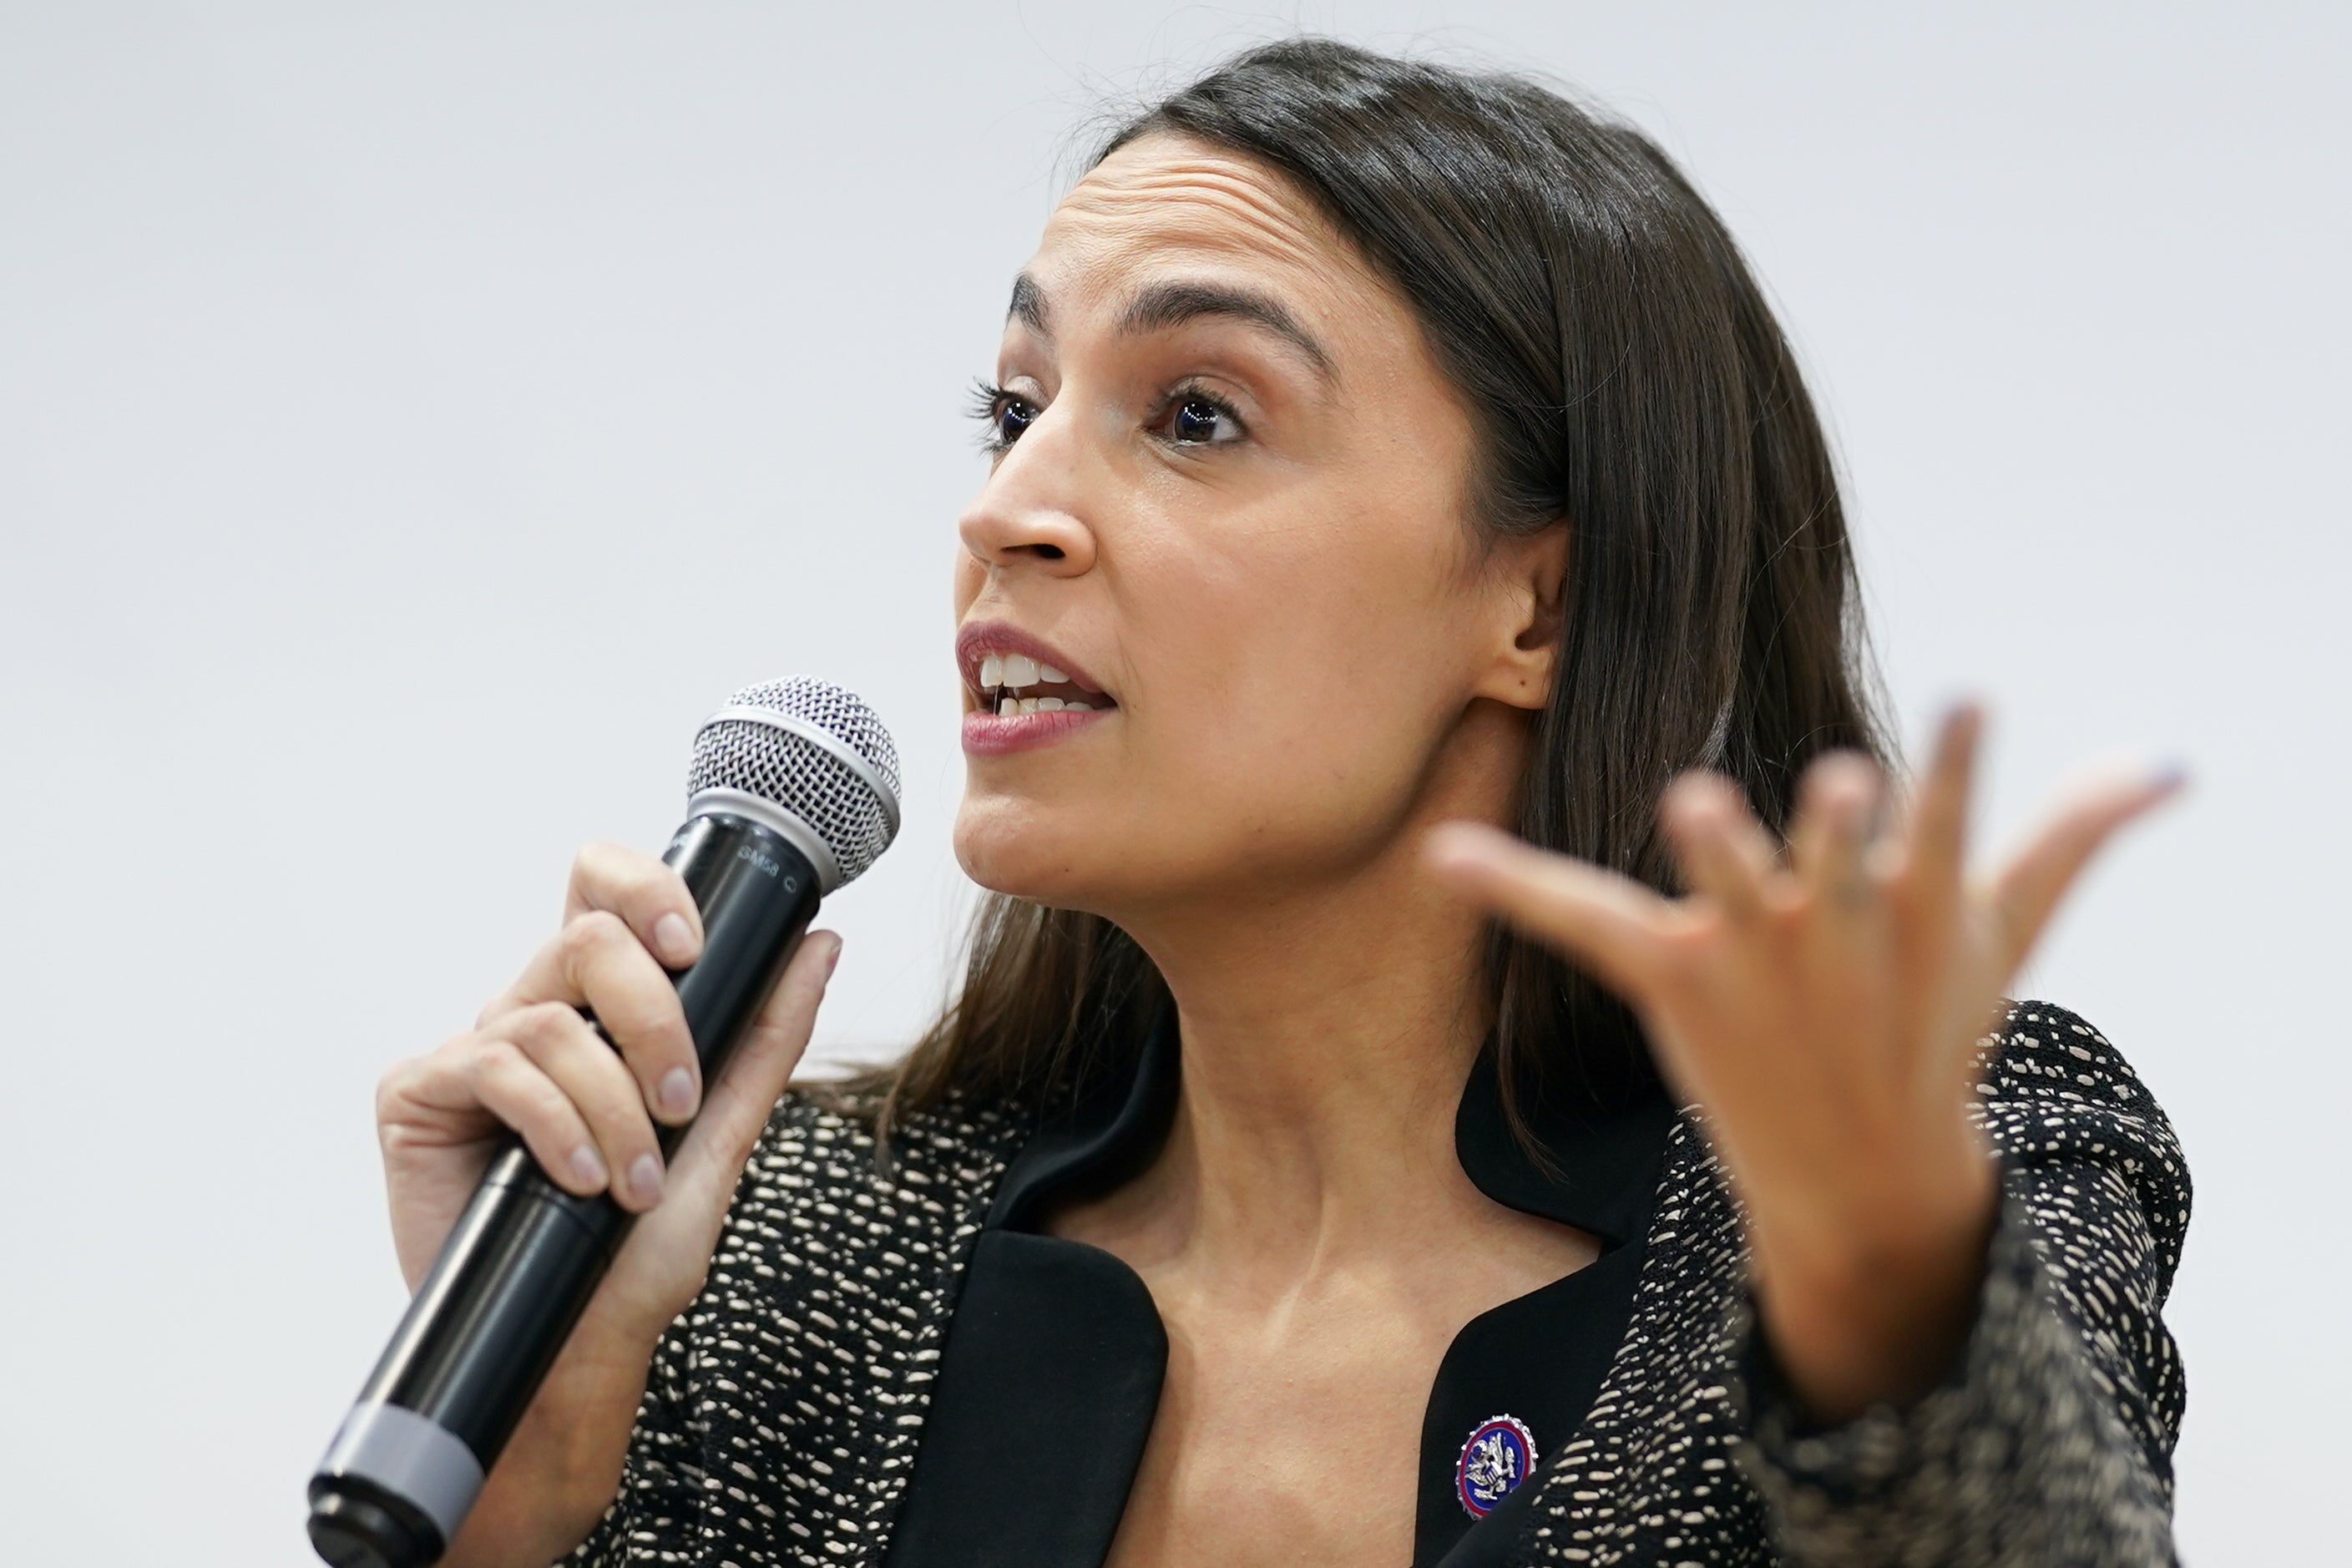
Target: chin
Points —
{"points": [[1017, 847]]}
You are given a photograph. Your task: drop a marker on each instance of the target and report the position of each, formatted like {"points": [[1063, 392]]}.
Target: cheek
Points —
{"points": [[1317, 752], [1311, 697], [1285, 693]]}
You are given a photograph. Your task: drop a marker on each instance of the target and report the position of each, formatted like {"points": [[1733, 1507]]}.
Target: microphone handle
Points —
{"points": [[525, 1257]]}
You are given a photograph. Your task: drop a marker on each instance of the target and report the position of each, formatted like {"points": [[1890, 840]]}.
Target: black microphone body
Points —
{"points": [[525, 1257]]}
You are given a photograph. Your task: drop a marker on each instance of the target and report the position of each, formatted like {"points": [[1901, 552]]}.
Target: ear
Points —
{"points": [[1528, 584]]}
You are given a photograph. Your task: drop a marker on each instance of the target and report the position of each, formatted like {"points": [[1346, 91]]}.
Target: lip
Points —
{"points": [[974, 638], [993, 735], [987, 735]]}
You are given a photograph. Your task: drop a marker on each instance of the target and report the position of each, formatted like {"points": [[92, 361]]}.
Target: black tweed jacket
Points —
{"points": [[786, 1407]]}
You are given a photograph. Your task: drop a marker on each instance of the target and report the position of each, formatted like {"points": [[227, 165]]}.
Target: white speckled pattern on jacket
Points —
{"points": [[783, 1410]]}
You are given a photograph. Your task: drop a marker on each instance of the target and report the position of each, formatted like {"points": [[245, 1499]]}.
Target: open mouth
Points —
{"points": [[1014, 683]]}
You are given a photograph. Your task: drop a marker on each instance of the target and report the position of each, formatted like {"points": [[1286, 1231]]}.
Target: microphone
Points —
{"points": [[793, 792]]}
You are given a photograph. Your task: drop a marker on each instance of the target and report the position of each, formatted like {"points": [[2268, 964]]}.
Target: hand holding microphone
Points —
{"points": [[551, 1210]]}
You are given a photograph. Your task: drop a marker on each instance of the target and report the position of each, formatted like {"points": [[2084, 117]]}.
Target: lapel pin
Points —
{"points": [[1494, 1461]]}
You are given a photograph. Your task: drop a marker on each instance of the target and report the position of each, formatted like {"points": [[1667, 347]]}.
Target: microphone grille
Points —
{"points": [[814, 750]]}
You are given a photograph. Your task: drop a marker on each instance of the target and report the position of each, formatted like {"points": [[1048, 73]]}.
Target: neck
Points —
{"points": [[1327, 1033]]}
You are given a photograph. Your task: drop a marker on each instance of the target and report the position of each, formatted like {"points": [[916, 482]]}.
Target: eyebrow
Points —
{"points": [[1028, 306], [1171, 304]]}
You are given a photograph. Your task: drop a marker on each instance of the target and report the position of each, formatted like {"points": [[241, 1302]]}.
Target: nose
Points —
{"points": [[1028, 513]]}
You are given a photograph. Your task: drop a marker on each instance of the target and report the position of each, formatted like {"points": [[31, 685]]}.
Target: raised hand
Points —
{"points": [[1820, 1004]]}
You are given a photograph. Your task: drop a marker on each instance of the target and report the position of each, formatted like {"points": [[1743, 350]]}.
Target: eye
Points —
{"points": [[1003, 416], [1012, 416], [1200, 418]]}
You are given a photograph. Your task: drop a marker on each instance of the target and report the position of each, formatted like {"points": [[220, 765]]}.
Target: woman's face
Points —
{"points": [[1226, 510]]}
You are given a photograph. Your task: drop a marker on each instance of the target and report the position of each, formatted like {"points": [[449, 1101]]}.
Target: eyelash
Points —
{"points": [[987, 402]]}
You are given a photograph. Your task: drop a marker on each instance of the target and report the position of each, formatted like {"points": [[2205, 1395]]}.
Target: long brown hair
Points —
{"points": [[1624, 376]]}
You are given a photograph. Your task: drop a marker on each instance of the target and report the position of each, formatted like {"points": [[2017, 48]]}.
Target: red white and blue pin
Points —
{"points": [[1497, 1458]]}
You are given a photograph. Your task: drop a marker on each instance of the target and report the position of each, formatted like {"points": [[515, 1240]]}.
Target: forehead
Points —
{"points": [[1164, 206]]}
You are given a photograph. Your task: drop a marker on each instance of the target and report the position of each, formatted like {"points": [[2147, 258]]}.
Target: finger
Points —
{"points": [[557, 1041], [435, 1091], [1829, 839], [744, 1095], [1725, 853], [597, 961], [646, 896], [650, 897], [506, 1083], [1936, 834], [1609, 923], [2028, 889]]}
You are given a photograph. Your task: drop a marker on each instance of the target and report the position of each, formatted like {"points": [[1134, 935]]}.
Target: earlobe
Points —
{"points": [[1532, 589]]}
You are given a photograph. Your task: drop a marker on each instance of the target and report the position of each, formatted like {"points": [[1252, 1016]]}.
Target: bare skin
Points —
{"points": [[1310, 674], [1824, 1003], [1296, 626], [1338, 1330], [1230, 489]]}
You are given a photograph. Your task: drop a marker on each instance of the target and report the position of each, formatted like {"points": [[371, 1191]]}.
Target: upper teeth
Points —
{"points": [[1002, 673], [1017, 669]]}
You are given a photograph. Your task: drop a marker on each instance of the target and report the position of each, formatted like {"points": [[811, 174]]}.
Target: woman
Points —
{"points": [[1385, 456]]}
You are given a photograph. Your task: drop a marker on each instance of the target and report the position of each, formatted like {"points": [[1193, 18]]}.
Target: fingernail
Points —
{"points": [[834, 961], [2169, 775], [674, 937], [586, 1168], [677, 1092], [645, 1178]]}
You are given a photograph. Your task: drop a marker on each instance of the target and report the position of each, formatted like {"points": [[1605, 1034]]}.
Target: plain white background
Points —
{"points": [[413, 417]]}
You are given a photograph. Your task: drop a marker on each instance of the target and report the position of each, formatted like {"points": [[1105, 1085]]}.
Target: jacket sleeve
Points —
{"points": [[654, 1516], [2050, 1439]]}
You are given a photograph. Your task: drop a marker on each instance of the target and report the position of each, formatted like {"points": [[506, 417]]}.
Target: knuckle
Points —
{"points": [[664, 1033], [607, 1091], [622, 1125], [631, 1087], [591, 863], [638, 872], [395, 1083], [552, 1109], [593, 932], [540, 1027], [635, 875], [496, 1054], [489, 1067], [526, 1099], [645, 1019], [619, 870]]}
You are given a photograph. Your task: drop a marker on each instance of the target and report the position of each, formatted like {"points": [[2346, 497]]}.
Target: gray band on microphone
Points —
{"points": [[410, 1457]]}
